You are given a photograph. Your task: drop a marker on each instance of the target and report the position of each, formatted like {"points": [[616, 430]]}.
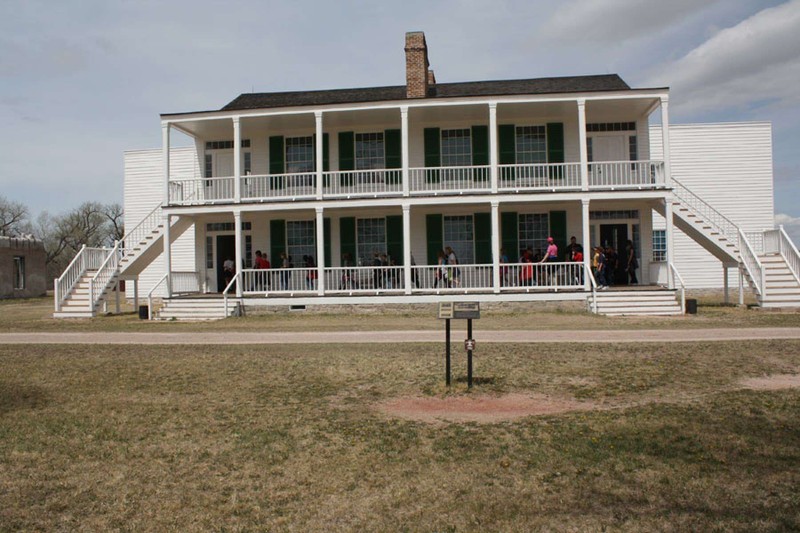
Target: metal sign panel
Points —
{"points": [[465, 310], [446, 310]]}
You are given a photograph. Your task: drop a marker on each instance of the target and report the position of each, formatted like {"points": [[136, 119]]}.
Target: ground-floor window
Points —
{"points": [[459, 235], [533, 232], [300, 240], [659, 245], [19, 272], [370, 238]]}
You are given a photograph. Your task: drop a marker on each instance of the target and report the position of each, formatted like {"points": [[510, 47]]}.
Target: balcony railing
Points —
{"points": [[550, 177], [626, 174], [425, 279]]}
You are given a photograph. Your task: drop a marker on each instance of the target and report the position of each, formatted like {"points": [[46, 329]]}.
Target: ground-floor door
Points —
{"points": [[616, 236], [226, 249]]}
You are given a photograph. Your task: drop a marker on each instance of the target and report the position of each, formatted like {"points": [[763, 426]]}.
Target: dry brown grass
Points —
{"points": [[243, 438], [36, 315]]}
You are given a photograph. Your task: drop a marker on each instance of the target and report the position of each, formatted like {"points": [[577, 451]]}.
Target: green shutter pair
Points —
{"points": [[277, 158], [392, 144], [479, 137], [394, 238], [482, 227], [509, 222], [507, 140], [277, 239]]}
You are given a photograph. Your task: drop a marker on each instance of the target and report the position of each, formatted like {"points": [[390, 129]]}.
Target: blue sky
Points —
{"points": [[82, 81]]}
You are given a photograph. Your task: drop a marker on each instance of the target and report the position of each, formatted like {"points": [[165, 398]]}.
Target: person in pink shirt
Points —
{"points": [[551, 256]]}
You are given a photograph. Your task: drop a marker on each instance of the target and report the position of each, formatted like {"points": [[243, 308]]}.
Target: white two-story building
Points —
{"points": [[373, 184]]}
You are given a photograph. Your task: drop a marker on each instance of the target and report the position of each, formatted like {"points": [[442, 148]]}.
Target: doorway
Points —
{"points": [[226, 249], [616, 236]]}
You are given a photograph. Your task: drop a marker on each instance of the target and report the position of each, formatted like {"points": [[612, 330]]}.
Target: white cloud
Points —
{"points": [[754, 62], [613, 21], [791, 225]]}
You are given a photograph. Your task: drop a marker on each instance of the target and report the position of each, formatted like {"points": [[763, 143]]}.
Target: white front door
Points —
{"points": [[609, 148]]}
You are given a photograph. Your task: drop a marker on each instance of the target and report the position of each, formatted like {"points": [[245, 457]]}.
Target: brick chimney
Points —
{"points": [[418, 77]]}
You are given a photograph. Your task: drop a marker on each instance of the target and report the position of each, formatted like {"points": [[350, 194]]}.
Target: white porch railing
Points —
{"points": [[383, 279], [531, 276], [144, 228], [186, 282], [541, 177], [104, 276], [678, 281], [201, 190], [625, 174], [85, 259], [593, 286], [363, 182], [752, 265], [265, 187], [150, 295], [276, 281], [451, 278], [450, 179], [777, 241]]}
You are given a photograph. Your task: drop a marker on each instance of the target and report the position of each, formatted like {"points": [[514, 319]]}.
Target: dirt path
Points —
{"points": [[384, 337]]}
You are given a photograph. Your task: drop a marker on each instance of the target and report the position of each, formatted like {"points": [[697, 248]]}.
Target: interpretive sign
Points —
{"points": [[459, 310]]}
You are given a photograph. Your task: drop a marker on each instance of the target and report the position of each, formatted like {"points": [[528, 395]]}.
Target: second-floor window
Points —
{"points": [[370, 153], [299, 155], [531, 145], [456, 148]]}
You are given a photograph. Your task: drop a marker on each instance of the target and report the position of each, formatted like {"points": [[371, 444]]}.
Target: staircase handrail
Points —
{"points": [[723, 223], [593, 285], [676, 276], [72, 274], [789, 252], [150, 296], [751, 263], [99, 282], [227, 290], [140, 231]]}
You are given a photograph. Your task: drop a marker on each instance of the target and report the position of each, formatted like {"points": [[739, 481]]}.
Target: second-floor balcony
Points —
{"points": [[430, 181]]}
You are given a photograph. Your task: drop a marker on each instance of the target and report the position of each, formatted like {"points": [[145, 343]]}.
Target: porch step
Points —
{"points": [[618, 303], [185, 309]]}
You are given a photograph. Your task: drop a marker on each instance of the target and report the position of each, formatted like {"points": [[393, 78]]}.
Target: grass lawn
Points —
{"points": [[290, 438], [36, 315]]}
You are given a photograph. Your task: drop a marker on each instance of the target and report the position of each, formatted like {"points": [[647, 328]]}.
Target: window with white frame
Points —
{"points": [[659, 245], [300, 240], [209, 252], [459, 235], [370, 153], [531, 145], [299, 155], [456, 148], [534, 229], [248, 164], [370, 238], [19, 272]]}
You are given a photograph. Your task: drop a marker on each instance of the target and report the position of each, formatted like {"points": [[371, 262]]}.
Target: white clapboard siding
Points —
{"points": [[144, 190], [729, 165]]}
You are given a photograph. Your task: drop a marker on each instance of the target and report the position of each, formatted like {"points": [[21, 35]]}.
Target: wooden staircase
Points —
{"points": [[632, 302], [197, 309], [76, 304], [782, 288]]}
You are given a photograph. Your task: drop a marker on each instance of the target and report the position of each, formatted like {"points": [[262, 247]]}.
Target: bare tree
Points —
{"points": [[116, 221], [13, 216]]}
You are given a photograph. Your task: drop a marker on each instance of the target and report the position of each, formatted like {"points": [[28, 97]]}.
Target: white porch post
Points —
{"points": [[165, 130], [587, 243], [237, 224], [741, 285], [496, 247], [493, 153], [665, 140], [584, 151], [725, 283], [237, 162], [407, 247], [136, 294], [320, 252], [668, 212], [404, 150], [319, 154], [168, 254]]}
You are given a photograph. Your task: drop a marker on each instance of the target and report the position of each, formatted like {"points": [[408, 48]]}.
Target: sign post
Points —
{"points": [[459, 311]]}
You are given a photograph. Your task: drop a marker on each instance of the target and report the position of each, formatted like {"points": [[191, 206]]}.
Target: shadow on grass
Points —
{"points": [[16, 396], [477, 380]]}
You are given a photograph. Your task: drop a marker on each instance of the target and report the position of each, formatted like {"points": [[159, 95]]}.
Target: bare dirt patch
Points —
{"points": [[482, 409], [773, 382]]}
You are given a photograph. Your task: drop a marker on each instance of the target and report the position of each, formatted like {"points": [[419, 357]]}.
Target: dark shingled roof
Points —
{"points": [[572, 84]]}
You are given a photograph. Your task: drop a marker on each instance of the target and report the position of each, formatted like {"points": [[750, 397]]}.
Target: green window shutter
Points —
{"points": [[347, 156], [480, 145], [434, 227], [509, 231], [558, 230], [433, 153], [347, 238], [483, 238], [555, 147], [326, 153], [276, 160], [394, 238], [277, 241], [394, 157], [507, 145], [326, 241]]}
